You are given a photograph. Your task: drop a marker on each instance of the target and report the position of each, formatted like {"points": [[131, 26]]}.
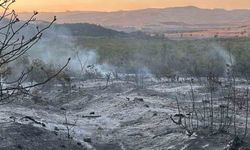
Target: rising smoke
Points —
{"points": [[56, 46]]}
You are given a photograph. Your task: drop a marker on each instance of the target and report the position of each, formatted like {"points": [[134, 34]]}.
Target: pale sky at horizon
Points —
{"points": [[115, 5]]}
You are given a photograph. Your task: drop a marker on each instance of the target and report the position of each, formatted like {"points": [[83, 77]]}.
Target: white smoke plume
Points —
{"points": [[225, 54], [58, 45]]}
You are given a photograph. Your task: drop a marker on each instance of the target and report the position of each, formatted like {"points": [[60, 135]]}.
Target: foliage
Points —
{"points": [[167, 57]]}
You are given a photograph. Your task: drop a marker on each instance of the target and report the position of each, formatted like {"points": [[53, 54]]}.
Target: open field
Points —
{"points": [[222, 32]]}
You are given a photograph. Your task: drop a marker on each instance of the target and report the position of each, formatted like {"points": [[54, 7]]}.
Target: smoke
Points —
{"points": [[57, 45], [227, 57], [219, 59]]}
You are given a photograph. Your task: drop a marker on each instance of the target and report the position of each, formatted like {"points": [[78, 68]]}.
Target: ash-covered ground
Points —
{"points": [[120, 116]]}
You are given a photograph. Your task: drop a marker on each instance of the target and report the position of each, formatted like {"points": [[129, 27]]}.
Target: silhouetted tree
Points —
{"points": [[13, 45]]}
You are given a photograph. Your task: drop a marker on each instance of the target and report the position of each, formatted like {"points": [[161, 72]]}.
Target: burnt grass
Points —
{"points": [[15, 136], [120, 116]]}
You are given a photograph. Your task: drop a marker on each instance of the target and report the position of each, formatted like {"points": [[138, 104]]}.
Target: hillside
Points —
{"points": [[177, 18], [86, 29]]}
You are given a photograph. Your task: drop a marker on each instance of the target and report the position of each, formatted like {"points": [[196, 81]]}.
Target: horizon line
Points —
{"points": [[127, 10]]}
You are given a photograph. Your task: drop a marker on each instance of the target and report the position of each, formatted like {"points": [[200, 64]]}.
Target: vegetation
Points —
{"points": [[167, 57], [86, 29]]}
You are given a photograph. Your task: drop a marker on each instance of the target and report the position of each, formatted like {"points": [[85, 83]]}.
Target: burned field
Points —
{"points": [[125, 93], [83, 86], [164, 114]]}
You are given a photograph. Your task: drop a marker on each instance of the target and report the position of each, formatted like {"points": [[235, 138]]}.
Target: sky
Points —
{"points": [[116, 5]]}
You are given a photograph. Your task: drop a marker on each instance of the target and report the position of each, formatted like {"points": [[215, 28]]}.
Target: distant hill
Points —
{"points": [[176, 18], [86, 29], [73, 29]]}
